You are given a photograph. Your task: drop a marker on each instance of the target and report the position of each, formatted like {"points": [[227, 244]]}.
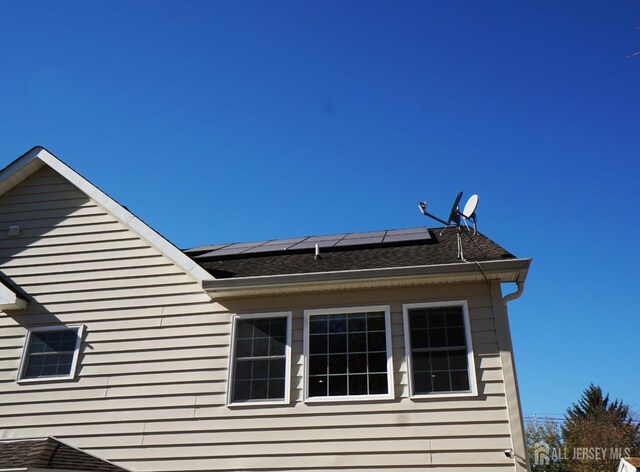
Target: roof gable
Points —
{"points": [[38, 157]]}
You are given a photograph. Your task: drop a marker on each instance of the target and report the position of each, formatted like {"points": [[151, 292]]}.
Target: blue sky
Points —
{"points": [[235, 121]]}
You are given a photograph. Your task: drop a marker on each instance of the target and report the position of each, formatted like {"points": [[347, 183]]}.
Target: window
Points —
{"points": [[439, 349], [50, 353], [260, 367], [348, 354]]}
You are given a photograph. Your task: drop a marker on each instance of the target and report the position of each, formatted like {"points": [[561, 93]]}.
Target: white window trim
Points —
{"points": [[473, 392], [232, 349], [74, 362], [349, 398]]}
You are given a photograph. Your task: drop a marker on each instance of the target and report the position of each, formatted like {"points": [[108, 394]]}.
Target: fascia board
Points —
{"points": [[511, 270], [26, 165], [9, 300]]}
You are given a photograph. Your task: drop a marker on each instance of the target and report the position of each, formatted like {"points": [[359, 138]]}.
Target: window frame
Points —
{"points": [[80, 329], [473, 386], [232, 349], [390, 395]]}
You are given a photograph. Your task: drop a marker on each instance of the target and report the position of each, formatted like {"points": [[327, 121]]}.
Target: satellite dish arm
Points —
{"points": [[436, 218], [423, 209]]}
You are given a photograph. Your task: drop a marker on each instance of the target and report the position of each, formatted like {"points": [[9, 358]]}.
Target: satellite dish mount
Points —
{"points": [[457, 218]]}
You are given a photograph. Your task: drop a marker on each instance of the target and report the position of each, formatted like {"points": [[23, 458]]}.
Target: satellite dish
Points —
{"points": [[470, 207], [455, 213], [456, 218]]}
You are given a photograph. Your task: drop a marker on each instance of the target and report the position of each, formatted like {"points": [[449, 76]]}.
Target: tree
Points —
{"points": [[597, 430]]}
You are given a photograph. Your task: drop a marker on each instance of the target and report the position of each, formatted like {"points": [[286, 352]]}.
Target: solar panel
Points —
{"points": [[360, 241], [369, 238]]}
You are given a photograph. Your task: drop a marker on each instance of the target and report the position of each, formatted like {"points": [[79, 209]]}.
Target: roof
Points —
{"points": [[50, 453], [439, 247]]}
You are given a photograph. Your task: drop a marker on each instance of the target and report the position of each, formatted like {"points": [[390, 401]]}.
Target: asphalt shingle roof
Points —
{"points": [[49, 453], [439, 249]]}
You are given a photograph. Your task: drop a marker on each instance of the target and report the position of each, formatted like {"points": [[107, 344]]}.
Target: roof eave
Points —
{"points": [[508, 270]]}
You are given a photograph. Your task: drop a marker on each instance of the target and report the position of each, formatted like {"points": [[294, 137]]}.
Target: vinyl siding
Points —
{"points": [[152, 378]]}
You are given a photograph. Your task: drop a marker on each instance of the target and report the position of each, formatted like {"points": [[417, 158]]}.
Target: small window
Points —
{"points": [[439, 349], [348, 354], [50, 353], [259, 371]]}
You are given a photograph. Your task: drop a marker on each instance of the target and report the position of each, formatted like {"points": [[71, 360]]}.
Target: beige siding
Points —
{"points": [[152, 381]]}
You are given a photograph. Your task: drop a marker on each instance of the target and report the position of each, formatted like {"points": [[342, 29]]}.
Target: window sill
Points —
{"points": [[259, 403], [45, 380], [347, 398], [427, 396]]}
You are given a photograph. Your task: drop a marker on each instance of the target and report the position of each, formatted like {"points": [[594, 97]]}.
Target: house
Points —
{"points": [[629, 464], [377, 351]]}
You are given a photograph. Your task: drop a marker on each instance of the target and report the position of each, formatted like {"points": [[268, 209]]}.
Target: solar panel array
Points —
{"points": [[371, 238]]}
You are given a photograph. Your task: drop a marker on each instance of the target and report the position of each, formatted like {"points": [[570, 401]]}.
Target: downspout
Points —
{"points": [[515, 295], [522, 461]]}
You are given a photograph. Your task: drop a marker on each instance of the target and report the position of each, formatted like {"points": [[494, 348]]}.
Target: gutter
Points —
{"points": [[507, 270]]}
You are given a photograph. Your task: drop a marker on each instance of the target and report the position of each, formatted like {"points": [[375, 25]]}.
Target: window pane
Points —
{"points": [[458, 359], [338, 364], [318, 364], [243, 370], [357, 363], [318, 344], [422, 382], [244, 329], [358, 342], [420, 361], [377, 341], [319, 324], [259, 366], [455, 336], [244, 348], [261, 328], [357, 385], [378, 362], [337, 343], [418, 319], [454, 316], [436, 318], [277, 346], [277, 368], [419, 338], [357, 322], [439, 360], [278, 328], [259, 389], [318, 386], [276, 388], [260, 369], [441, 381], [437, 337], [377, 384], [337, 385], [459, 380], [375, 322], [260, 347], [337, 324]]}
